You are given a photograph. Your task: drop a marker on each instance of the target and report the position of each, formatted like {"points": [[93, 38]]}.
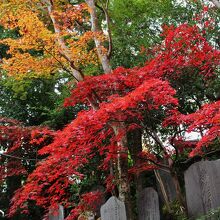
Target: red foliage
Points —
{"points": [[91, 200], [19, 147], [124, 96], [12, 135], [182, 144], [77, 143], [142, 167], [205, 121], [184, 48]]}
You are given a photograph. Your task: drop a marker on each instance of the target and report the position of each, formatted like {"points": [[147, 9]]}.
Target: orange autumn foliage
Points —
{"points": [[36, 51]]}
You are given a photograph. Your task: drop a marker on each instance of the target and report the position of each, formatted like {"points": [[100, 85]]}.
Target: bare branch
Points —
{"points": [[95, 29], [18, 158]]}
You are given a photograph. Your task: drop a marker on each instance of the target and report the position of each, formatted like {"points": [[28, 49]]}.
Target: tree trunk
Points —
{"points": [[122, 169], [122, 163], [135, 147], [180, 197], [13, 183], [163, 190], [96, 30], [64, 50]]}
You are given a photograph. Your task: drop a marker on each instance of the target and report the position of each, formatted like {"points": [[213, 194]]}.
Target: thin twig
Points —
{"points": [[18, 158]]}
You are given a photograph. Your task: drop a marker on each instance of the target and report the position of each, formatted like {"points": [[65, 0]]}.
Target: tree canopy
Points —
{"points": [[107, 92]]}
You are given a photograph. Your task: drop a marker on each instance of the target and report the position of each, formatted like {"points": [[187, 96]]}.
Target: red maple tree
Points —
{"points": [[128, 97]]}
